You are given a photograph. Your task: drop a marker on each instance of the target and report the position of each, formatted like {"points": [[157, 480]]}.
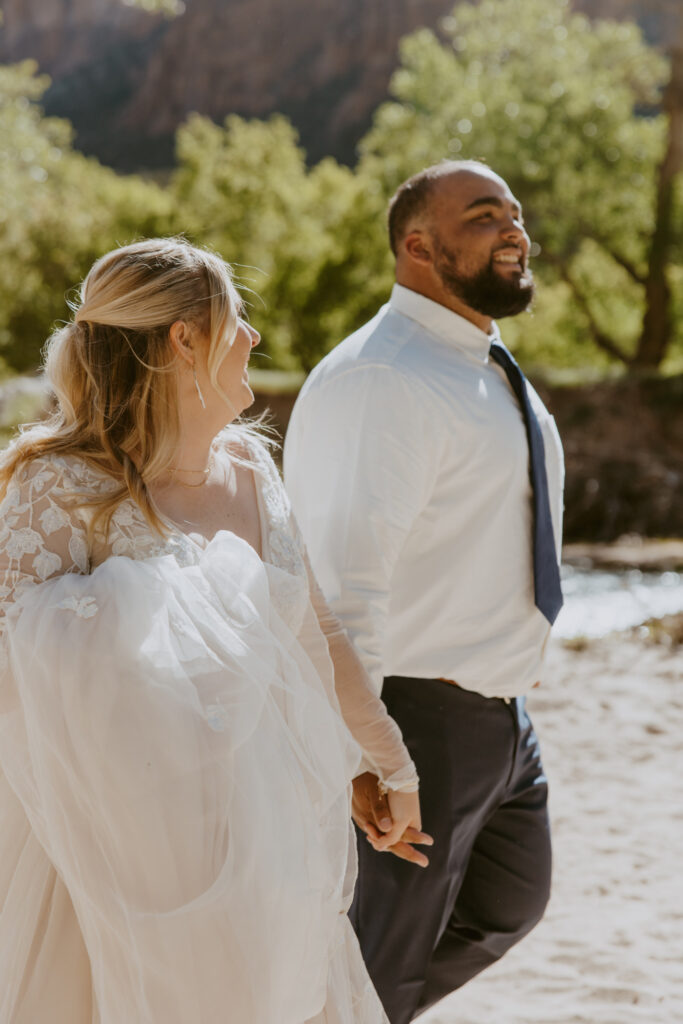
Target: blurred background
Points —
{"points": [[275, 130]]}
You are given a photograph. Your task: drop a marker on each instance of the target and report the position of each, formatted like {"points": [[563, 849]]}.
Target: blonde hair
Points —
{"points": [[112, 367]]}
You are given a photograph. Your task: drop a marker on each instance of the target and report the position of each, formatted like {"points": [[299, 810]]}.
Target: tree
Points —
{"points": [[569, 113], [59, 212], [657, 325], [170, 8], [303, 241]]}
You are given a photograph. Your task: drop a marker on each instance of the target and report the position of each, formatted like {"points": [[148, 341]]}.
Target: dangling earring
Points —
{"points": [[200, 396]]}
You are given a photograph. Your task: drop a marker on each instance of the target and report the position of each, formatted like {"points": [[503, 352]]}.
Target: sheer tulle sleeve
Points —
{"points": [[41, 537], [365, 714]]}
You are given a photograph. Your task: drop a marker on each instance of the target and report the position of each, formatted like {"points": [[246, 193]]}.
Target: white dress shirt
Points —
{"points": [[407, 464]]}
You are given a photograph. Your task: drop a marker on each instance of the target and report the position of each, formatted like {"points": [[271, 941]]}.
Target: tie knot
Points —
{"points": [[500, 353], [507, 362]]}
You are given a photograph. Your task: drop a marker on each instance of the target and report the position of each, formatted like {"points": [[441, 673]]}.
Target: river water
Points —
{"points": [[598, 602]]}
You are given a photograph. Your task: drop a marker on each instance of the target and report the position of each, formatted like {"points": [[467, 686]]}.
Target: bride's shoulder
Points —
{"points": [[59, 472], [68, 471], [247, 445]]}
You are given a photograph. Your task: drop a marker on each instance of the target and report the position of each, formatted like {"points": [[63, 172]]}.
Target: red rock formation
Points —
{"points": [[63, 35], [127, 80]]}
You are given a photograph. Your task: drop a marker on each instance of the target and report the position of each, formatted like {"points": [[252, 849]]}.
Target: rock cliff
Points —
{"points": [[127, 79]]}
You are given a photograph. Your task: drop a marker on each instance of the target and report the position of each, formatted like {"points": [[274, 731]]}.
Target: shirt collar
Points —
{"points": [[444, 323]]}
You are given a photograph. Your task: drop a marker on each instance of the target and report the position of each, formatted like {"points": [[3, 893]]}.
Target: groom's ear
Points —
{"points": [[417, 247]]}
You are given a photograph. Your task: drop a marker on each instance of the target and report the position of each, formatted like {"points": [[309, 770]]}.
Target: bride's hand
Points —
{"points": [[390, 821]]}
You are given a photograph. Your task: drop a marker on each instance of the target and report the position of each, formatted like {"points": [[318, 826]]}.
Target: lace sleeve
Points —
{"points": [[40, 533]]}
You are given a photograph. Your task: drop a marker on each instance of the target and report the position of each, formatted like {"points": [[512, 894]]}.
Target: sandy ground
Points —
{"points": [[610, 948]]}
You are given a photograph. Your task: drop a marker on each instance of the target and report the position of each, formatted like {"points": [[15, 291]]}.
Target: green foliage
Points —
{"points": [[303, 242], [59, 212], [674, 358], [565, 111], [171, 8]]}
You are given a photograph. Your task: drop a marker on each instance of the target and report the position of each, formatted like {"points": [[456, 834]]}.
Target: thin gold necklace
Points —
{"points": [[205, 472], [182, 483]]}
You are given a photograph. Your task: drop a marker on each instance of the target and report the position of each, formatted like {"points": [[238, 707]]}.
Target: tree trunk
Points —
{"points": [[657, 322]]}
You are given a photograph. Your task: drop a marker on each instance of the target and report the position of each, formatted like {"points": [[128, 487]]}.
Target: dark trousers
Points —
{"points": [[483, 794]]}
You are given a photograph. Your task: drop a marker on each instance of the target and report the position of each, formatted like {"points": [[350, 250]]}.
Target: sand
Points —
{"points": [[610, 948]]}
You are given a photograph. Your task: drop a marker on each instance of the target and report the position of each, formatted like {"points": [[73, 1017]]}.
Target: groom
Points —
{"points": [[426, 475]]}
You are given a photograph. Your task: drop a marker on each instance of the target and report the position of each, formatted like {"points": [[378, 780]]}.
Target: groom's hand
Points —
{"points": [[387, 831]]}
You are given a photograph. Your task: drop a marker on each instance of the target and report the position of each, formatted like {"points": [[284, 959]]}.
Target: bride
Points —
{"points": [[180, 714]]}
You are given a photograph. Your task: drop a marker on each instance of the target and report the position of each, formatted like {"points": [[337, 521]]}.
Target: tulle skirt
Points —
{"points": [[176, 843]]}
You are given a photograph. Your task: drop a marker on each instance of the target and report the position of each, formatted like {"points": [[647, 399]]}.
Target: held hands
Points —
{"points": [[390, 821]]}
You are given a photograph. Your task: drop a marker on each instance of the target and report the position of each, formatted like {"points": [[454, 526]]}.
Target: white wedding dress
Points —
{"points": [[175, 843]]}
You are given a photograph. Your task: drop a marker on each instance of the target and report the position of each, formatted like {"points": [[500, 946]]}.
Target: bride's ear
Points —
{"points": [[181, 341]]}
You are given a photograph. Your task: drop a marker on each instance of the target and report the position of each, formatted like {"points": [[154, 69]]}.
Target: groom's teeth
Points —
{"points": [[504, 257]]}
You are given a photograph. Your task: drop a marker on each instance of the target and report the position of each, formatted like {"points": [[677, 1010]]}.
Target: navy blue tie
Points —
{"points": [[547, 587]]}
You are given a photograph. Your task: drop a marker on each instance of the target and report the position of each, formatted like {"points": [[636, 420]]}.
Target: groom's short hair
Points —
{"points": [[412, 197]]}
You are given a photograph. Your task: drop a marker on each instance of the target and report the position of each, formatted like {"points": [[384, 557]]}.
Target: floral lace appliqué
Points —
{"points": [[285, 550], [22, 542], [47, 563], [84, 607], [53, 519], [43, 531]]}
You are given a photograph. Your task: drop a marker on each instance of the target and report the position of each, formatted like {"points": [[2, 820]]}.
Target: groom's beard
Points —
{"points": [[487, 291]]}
